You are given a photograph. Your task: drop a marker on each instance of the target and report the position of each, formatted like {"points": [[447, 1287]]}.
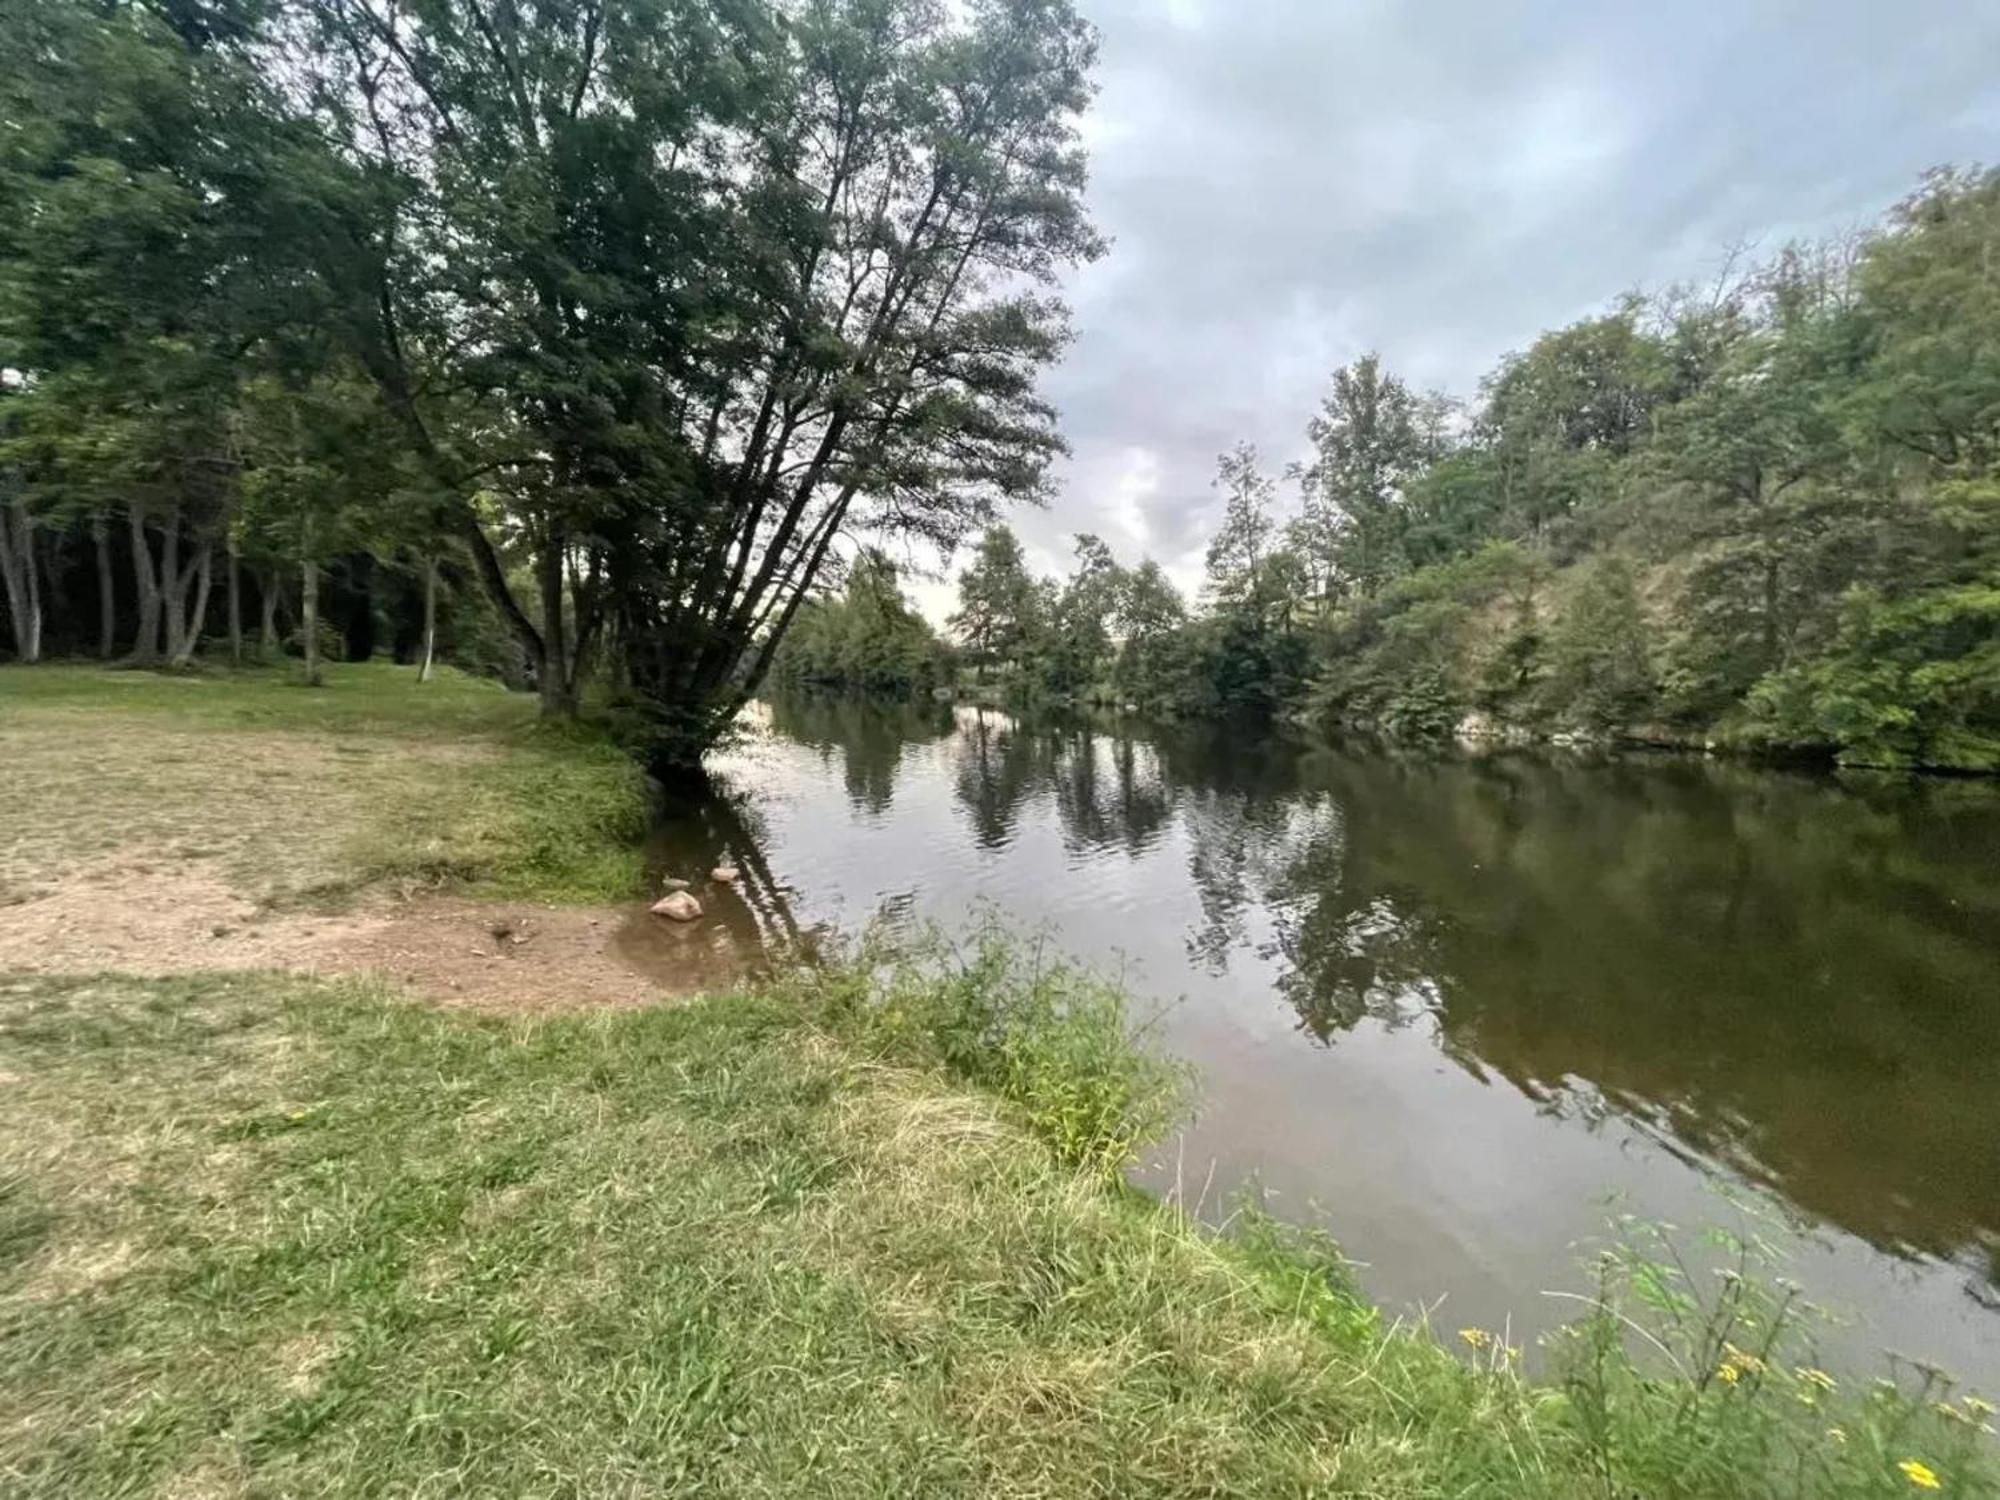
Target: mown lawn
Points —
{"points": [[303, 794]]}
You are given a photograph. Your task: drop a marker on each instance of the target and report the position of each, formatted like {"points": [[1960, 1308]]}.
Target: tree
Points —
{"points": [[996, 601], [1371, 438], [1247, 535], [708, 289], [1076, 623], [868, 639]]}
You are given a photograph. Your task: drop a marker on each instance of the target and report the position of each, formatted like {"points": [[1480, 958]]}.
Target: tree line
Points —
{"points": [[1762, 513], [603, 319]]}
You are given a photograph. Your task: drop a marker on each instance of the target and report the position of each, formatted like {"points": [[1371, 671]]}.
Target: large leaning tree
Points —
{"points": [[672, 295]]}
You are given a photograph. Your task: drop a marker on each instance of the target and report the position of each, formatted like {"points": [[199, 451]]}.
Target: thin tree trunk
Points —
{"points": [[267, 604], [146, 642], [309, 606], [430, 619], [173, 585], [557, 688], [235, 608], [198, 615], [107, 600], [23, 579]]}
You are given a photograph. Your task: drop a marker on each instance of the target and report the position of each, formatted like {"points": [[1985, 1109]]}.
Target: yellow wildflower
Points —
{"points": [[1921, 1474], [1816, 1377], [1729, 1373], [1747, 1362], [1479, 1338]]}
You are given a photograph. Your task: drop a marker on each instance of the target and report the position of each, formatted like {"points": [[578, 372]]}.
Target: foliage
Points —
{"points": [[1762, 513], [638, 305], [869, 639], [1053, 1040], [997, 602]]}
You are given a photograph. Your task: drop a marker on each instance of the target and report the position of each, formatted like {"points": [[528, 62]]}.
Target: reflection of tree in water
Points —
{"points": [[1109, 792], [1763, 969], [1774, 972], [1349, 950], [870, 737], [1000, 764]]}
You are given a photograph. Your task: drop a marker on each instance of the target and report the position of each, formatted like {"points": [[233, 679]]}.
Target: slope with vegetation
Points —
{"points": [[1766, 515]]}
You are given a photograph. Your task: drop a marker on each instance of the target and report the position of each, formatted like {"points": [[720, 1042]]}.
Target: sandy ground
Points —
{"points": [[136, 918]]}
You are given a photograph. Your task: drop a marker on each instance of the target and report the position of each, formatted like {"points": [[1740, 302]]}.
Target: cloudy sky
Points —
{"points": [[1288, 183]]}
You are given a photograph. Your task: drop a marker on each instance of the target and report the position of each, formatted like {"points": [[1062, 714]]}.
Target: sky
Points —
{"points": [[1290, 183]]}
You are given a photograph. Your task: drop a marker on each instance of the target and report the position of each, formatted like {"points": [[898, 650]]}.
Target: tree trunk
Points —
{"points": [[198, 614], [309, 607], [267, 625], [146, 642], [22, 578], [172, 586], [558, 686], [235, 609], [107, 600], [430, 619]]}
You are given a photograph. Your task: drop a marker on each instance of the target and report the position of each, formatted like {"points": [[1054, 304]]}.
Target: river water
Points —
{"points": [[1458, 1011]]}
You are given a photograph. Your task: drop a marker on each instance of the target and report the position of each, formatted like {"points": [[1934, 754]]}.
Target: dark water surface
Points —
{"points": [[1447, 1006]]}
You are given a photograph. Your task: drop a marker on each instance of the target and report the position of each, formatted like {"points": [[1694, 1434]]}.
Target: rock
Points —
{"points": [[724, 873], [673, 883], [679, 906]]}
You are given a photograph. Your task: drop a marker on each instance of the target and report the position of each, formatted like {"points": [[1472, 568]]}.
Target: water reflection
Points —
{"points": [[1792, 981]]}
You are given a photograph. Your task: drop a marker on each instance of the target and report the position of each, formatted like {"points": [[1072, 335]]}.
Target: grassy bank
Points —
{"points": [[304, 794], [263, 1237]]}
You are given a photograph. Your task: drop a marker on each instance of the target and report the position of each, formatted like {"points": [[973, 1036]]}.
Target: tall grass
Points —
{"points": [[1054, 1040]]}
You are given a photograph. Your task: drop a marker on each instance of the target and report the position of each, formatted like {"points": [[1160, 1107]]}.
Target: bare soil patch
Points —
{"points": [[151, 917]]}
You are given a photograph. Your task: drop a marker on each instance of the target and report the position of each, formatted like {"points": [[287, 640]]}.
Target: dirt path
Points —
{"points": [[130, 916]]}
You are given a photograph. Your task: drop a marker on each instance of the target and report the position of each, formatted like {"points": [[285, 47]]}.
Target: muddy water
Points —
{"points": [[1453, 1006]]}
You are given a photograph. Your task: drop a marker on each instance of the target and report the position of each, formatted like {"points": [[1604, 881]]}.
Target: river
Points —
{"points": [[1459, 1010]]}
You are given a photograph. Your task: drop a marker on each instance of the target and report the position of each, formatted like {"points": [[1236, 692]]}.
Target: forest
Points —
{"points": [[1760, 514], [573, 337]]}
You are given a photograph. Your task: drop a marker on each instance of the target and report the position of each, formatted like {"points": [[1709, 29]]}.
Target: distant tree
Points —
{"points": [[867, 639], [1151, 620], [997, 605], [1371, 438]]}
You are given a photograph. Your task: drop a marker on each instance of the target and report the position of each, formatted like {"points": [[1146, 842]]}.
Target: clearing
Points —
{"points": [[432, 834]]}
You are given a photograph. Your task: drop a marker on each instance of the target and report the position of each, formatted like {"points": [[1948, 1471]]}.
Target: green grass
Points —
{"points": [[265, 1237], [302, 794]]}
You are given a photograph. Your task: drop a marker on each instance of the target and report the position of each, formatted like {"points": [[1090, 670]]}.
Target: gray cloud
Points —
{"points": [[1290, 182]]}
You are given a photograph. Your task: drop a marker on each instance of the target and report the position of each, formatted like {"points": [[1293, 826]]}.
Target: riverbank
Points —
{"points": [[857, 1231]]}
